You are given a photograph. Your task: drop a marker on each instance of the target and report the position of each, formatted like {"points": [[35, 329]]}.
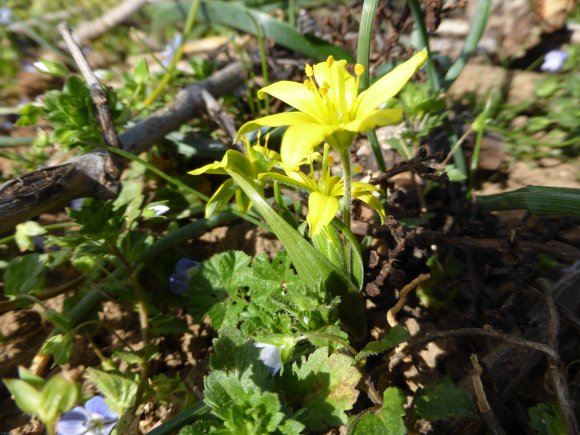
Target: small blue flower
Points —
{"points": [[554, 60], [77, 203], [270, 356], [95, 418], [170, 49], [179, 281], [5, 16]]}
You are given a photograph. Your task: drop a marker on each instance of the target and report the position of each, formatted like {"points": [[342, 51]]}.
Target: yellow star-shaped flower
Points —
{"points": [[330, 108]]}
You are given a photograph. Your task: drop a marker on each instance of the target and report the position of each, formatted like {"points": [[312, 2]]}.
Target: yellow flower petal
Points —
{"points": [[360, 187], [389, 85], [277, 120], [307, 182], [321, 210], [294, 94], [374, 119], [299, 141], [373, 202], [211, 168]]}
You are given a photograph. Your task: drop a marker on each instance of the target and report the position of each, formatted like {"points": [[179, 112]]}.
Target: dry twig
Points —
{"points": [[391, 314], [556, 370], [95, 28], [99, 99], [417, 343], [482, 404]]}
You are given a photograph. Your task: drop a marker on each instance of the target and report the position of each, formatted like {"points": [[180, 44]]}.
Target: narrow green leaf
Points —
{"points": [[541, 200], [237, 16], [475, 33], [432, 73], [221, 197]]}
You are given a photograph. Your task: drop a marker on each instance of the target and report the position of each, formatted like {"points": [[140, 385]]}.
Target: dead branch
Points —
{"points": [[482, 404], [417, 343], [392, 313], [99, 100], [54, 187], [555, 249], [556, 372], [87, 31], [508, 369]]}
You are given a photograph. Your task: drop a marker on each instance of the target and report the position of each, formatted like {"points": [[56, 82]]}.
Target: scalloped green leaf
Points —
{"points": [[387, 420], [321, 388]]}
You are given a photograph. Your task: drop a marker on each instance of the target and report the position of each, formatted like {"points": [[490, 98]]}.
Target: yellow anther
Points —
{"points": [[330, 61], [357, 168], [261, 94], [359, 69], [324, 89], [309, 70]]}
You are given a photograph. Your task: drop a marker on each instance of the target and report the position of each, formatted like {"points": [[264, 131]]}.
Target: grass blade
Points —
{"points": [[540, 200]]}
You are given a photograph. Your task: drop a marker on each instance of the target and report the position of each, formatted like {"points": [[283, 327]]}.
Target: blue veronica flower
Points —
{"points": [[270, 356], [554, 60], [170, 49], [95, 418], [179, 280], [5, 16]]}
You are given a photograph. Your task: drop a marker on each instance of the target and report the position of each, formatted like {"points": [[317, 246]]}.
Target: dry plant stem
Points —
{"points": [[85, 176], [97, 95], [482, 404], [569, 317], [23, 26], [556, 370], [418, 343], [220, 117], [561, 251], [456, 146], [115, 16], [371, 391], [392, 313]]}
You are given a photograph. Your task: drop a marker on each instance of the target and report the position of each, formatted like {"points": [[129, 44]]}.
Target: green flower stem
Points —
{"points": [[345, 157], [474, 162], [177, 56], [263, 61]]}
